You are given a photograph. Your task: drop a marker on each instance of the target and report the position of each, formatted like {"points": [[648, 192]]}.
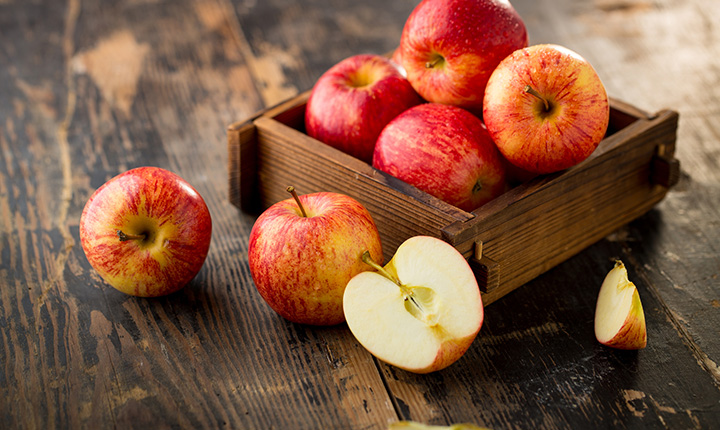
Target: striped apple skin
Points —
{"points": [[169, 214], [445, 151], [301, 265]]}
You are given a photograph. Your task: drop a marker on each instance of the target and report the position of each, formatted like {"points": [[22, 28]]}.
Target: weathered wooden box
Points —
{"points": [[509, 241]]}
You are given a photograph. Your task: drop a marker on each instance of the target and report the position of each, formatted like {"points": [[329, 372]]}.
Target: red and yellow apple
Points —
{"points": [[449, 48], [421, 312], [146, 231], [546, 108], [351, 103], [445, 151], [304, 250], [619, 316]]}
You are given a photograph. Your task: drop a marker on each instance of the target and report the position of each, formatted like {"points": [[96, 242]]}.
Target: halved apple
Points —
{"points": [[619, 316], [421, 311]]}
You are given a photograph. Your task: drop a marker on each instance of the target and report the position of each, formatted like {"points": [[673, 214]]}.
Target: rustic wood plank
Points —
{"points": [[293, 43], [536, 362], [75, 352]]}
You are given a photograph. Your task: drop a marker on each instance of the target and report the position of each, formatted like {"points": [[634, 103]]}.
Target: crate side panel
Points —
{"points": [[283, 160], [242, 173], [576, 210], [541, 230]]}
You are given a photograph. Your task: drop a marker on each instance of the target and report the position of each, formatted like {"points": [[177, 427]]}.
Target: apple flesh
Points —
{"points": [[146, 231], [546, 108], [304, 250], [619, 316], [446, 152], [351, 103], [449, 48], [421, 311]]}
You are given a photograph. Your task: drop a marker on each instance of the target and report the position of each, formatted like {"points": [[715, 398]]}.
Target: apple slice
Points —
{"points": [[619, 316], [421, 311]]}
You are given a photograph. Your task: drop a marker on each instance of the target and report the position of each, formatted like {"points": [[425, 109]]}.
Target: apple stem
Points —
{"points": [[406, 291], [292, 191], [434, 62], [370, 262], [531, 90], [125, 237]]}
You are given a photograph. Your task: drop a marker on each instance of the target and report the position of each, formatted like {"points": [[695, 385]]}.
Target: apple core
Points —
{"points": [[419, 301]]}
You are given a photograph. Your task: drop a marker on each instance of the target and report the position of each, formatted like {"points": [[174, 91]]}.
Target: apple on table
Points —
{"points": [[546, 108], [304, 250], [619, 316], [146, 231], [421, 311], [445, 151], [351, 103], [449, 48]]}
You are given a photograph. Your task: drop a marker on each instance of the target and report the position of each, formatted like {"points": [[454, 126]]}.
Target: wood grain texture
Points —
{"points": [[145, 84], [89, 89]]}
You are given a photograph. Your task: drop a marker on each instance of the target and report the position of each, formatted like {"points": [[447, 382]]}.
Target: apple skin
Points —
{"points": [[462, 41], [619, 300], [301, 265], [446, 152], [527, 135], [633, 334], [351, 103], [168, 210]]}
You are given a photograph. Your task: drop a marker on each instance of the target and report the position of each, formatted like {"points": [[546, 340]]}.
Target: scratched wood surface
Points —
{"points": [[89, 89]]}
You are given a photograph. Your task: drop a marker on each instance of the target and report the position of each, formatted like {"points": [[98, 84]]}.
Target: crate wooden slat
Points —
{"points": [[509, 241]]}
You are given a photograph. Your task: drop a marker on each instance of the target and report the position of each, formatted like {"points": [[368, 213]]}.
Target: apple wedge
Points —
{"points": [[421, 311], [619, 316]]}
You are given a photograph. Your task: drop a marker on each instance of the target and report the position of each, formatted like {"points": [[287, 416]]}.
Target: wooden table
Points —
{"points": [[89, 89]]}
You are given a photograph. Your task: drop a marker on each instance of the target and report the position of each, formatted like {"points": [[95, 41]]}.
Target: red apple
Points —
{"points": [[546, 108], [146, 231], [444, 151], [303, 252], [449, 48], [352, 102]]}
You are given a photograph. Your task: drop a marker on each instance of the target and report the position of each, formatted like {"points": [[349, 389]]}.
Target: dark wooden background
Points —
{"points": [[91, 88]]}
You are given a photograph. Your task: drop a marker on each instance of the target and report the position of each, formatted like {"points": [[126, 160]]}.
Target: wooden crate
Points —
{"points": [[509, 241]]}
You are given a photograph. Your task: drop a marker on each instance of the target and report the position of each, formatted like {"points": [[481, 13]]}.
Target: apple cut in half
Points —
{"points": [[421, 311], [619, 316]]}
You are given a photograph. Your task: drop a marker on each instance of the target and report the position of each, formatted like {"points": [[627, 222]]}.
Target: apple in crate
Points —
{"points": [[449, 48], [619, 316], [351, 103], [421, 311], [304, 250], [445, 151], [146, 231], [546, 108]]}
